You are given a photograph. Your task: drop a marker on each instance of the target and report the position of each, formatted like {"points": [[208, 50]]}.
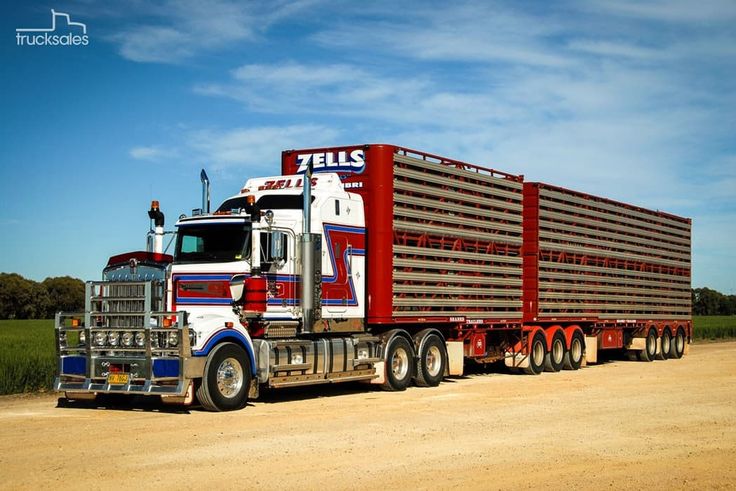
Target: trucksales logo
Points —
{"points": [[353, 161], [65, 33]]}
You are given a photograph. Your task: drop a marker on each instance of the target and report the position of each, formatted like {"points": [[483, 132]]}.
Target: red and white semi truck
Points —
{"points": [[382, 264]]}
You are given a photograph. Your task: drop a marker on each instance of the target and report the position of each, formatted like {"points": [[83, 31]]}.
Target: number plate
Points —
{"points": [[117, 378]]}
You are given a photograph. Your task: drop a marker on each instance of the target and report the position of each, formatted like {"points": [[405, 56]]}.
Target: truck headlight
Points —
{"points": [[100, 338], [127, 339], [113, 337], [140, 339], [173, 339], [82, 338], [62, 340]]}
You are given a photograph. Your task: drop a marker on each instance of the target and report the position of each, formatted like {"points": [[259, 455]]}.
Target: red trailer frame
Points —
{"points": [[492, 260]]}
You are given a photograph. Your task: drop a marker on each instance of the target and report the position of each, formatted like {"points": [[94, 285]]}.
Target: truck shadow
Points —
{"points": [[117, 402]]}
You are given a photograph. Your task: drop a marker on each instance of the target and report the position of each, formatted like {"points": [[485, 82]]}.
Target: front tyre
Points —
{"points": [[226, 379]]}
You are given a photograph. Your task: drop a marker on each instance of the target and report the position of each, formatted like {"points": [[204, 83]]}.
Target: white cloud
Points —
{"points": [[676, 11], [176, 30], [615, 49], [457, 31], [152, 153], [256, 150]]}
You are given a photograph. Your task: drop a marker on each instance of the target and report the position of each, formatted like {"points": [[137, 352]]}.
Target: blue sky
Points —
{"points": [[631, 100]]}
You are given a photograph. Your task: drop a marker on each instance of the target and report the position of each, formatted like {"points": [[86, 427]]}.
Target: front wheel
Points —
{"points": [[226, 379]]}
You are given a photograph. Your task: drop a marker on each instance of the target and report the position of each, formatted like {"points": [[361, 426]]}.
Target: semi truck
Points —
{"points": [[381, 264]]}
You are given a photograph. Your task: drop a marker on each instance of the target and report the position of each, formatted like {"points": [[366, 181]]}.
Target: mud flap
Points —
{"points": [[380, 368], [455, 357], [591, 350]]}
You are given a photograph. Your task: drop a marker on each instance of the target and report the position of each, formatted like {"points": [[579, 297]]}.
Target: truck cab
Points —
{"points": [[227, 314], [212, 248]]}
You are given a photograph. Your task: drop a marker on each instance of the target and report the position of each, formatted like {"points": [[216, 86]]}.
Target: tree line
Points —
{"points": [[21, 298], [711, 302]]}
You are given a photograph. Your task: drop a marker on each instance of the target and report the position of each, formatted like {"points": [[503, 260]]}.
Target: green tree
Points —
{"points": [[21, 298], [65, 294]]}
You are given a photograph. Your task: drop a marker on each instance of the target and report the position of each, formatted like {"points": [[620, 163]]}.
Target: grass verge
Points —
{"points": [[28, 354]]}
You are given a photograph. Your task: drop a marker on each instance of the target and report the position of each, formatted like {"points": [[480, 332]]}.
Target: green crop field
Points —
{"points": [[28, 354], [714, 327]]}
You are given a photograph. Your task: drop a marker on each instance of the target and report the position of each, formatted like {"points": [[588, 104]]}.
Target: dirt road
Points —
{"points": [[659, 425]]}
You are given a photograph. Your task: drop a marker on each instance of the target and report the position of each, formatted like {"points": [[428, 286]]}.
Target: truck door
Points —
{"points": [[277, 265]]}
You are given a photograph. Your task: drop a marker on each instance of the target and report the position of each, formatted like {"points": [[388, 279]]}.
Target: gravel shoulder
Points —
{"points": [[662, 425]]}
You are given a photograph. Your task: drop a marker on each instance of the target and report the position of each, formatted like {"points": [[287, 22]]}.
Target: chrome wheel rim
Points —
{"points": [[680, 343], [229, 377], [400, 363], [558, 351], [651, 344], [433, 361], [538, 353], [576, 350], [666, 344]]}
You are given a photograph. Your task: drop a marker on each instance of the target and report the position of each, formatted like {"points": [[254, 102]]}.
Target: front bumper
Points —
{"points": [[156, 368]]}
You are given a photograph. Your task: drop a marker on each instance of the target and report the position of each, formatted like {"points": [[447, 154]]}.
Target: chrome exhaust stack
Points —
{"points": [[156, 234], [205, 191], [311, 251]]}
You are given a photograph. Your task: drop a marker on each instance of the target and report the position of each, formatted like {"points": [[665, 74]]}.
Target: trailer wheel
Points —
{"points": [[574, 356], [555, 357], [537, 354], [650, 350], [226, 379], [678, 346], [431, 362], [399, 364], [665, 345]]}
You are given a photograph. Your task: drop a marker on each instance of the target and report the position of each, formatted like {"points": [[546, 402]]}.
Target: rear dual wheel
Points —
{"points": [[555, 358], [431, 362], [665, 346], [537, 354], [574, 356], [650, 346], [678, 344], [399, 364]]}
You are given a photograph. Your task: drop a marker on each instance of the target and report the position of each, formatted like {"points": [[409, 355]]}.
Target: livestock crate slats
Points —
{"points": [[457, 241], [598, 258]]}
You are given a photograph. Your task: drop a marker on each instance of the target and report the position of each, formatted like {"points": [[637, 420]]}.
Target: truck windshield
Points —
{"points": [[212, 243]]}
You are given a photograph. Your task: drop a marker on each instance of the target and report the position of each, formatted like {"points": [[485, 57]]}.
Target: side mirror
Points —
{"points": [[277, 246], [237, 285]]}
